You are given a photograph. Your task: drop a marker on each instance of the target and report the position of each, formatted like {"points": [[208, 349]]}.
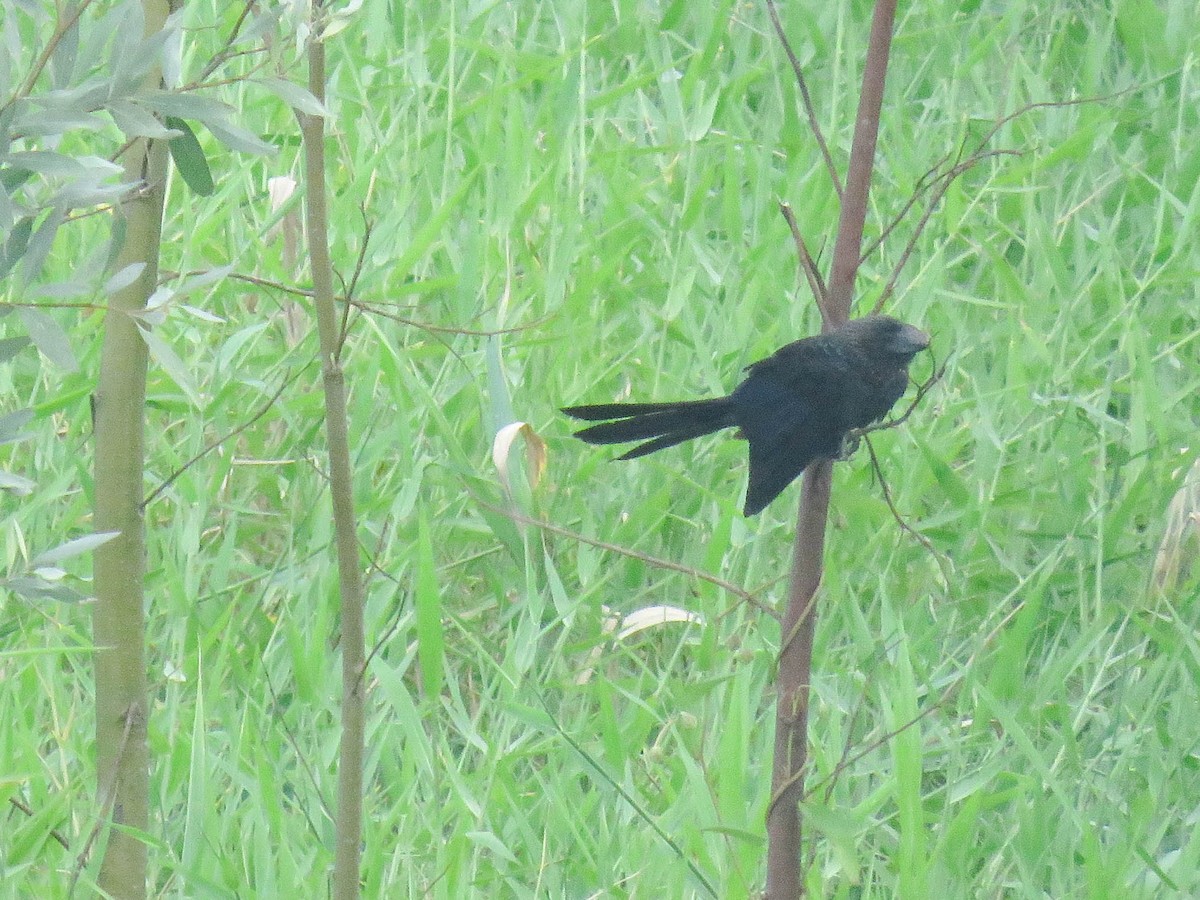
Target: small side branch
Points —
{"points": [[809, 109]]}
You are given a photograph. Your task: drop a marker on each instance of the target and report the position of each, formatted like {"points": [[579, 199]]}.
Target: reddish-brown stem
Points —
{"points": [[794, 679], [862, 158], [784, 825]]}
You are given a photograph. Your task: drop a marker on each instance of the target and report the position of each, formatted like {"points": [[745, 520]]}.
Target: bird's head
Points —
{"points": [[885, 338]]}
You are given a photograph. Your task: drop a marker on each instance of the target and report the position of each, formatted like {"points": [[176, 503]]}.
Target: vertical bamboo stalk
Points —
{"points": [[118, 621]]}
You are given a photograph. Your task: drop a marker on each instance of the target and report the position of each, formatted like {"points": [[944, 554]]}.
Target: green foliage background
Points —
{"points": [[603, 180]]}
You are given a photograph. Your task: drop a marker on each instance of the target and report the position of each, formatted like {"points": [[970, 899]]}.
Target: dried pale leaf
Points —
{"points": [[637, 621], [611, 623], [535, 452], [649, 616], [279, 190], [1180, 546]]}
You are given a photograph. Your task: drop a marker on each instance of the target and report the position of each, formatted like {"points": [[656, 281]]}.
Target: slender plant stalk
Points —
{"points": [[118, 622], [847, 249], [346, 879], [784, 825]]}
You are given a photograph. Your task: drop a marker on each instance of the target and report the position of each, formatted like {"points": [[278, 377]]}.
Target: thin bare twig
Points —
{"points": [[60, 31], [213, 445], [940, 702], [226, 52], [809, 109], [939, 182], [887, 498], [927, 182], [348, 289], [373, 308], [28, 810], [652, 561], [922, 389], [807, 264], [107, 795]]}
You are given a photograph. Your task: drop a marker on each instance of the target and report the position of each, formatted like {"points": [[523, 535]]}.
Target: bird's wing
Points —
{"points": [[772, 469], [781, 422], [789, 408]]}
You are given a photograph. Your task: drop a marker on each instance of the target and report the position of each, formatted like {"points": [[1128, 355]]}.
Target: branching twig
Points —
{"points": [[887, 498], [947, 694], [373, 308], [60, 31], [922, 389], [219, 441], [939, 182], [930, 180], [225, 53]]}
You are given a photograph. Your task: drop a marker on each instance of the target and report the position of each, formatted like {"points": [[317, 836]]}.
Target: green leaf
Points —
{"points": [[124, 278], [189, 158], [294, 95], [33, 588], [10, 347], [12, 177], [49, 338], [1141, 26], [11, 425], [171, 363], [135, 121], [85, 544], [18, 241], [237, 138], [949, 480], [431, 640], [17, 485]]}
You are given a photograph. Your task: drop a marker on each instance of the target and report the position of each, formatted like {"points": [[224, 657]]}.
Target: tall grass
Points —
{"points": [[1013, 716]]}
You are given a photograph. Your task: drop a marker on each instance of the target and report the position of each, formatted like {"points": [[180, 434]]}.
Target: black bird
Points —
{"points": [[795, 406]]}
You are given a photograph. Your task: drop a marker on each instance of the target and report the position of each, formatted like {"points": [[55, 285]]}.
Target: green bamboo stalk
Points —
{"points": [[122, 759]]}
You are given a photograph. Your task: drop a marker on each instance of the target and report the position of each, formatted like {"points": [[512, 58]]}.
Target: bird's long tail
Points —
{"points": [[667, 424]]}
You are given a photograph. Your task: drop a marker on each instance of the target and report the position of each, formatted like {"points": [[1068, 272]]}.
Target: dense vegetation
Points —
{"points": [[1011, 715]]}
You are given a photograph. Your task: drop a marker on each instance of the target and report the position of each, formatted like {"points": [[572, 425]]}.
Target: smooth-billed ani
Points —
{"points": [[794, 407]]}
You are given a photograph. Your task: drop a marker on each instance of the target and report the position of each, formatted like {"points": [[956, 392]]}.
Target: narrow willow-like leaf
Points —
{"points": [[189, 158]]}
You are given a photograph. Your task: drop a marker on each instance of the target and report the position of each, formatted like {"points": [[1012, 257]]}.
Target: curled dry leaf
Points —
{"points": [[623, 627], [535, 453]]}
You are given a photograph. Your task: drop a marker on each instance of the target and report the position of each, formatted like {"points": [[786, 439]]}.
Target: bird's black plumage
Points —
{"points": [[793, 407]]}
